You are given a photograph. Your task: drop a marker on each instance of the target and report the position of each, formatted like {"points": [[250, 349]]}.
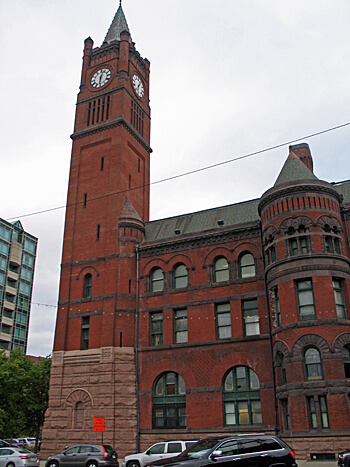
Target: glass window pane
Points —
{"points": [[243, 414]]}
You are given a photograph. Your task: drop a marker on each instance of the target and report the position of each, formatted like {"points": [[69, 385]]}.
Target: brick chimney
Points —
{"points": [[302, 151]]}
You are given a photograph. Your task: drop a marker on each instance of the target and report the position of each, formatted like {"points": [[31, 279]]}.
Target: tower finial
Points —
{"points": [[120, 2]]}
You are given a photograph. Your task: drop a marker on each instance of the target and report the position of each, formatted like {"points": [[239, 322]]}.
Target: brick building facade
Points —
{"points": [[226, 320]]}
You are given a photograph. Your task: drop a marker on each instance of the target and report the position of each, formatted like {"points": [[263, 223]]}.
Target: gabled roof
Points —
{"points": [[293, 170], [118, 25]]}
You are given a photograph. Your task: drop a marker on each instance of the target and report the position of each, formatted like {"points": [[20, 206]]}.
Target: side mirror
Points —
{"points": [[148, 452], [215, 454]]}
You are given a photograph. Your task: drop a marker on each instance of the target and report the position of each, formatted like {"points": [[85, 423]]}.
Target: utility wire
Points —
{"points": [[191, 172]]}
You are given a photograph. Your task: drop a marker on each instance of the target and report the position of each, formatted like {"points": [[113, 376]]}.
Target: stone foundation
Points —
{"points": [[87, 384]]}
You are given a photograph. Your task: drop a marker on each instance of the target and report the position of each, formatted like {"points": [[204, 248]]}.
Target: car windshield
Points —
{"points": [[201, 448]]}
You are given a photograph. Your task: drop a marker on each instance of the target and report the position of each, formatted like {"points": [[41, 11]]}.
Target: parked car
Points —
{"points": [[28, 442], [16, 443], [256, 450], [157, 451], [18, 457], [3, 443], [344, 458], [85, 455]]}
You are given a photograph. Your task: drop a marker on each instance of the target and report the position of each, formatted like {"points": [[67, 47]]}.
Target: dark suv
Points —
{"points": [[254, 450], [85, 455], [344, 458]]}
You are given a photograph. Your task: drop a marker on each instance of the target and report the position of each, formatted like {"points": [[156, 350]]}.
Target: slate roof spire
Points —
{"points": [[118, 25], [295, 169]]}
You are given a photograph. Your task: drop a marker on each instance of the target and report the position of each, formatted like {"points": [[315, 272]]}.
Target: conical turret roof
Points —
{"points": [[293, 170], [129, 217], [118, 25]]}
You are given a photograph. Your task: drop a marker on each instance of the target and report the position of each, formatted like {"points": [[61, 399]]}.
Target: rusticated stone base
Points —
{"points": [[87, 384]]}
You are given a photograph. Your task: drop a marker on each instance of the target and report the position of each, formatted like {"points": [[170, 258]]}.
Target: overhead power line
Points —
{"points": [[191, 172]]}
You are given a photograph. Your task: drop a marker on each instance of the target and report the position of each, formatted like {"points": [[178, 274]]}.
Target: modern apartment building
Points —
{"points": [[17, 262]]}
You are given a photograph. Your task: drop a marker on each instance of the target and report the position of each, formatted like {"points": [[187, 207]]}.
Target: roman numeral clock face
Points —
{"points": [[100, 78], [138, 86]]}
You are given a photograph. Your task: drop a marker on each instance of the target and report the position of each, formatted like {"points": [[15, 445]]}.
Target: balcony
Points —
{"points": [[16, 254]]}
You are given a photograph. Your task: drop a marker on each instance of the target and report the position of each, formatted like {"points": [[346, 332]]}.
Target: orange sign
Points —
{"points": [[99, 424]]}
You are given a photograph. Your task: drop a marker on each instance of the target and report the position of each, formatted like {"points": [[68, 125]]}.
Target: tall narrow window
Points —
{"points": [[157, 280], [85, 200], [286, 414], [181, 335], [87, 285], [85, 332], [169, 402], [223, 321], [312, 413], [129, 182], [156, 329], [247, 266], [79, 416], [277, 305], [241, 394], [102, 163], [306, 302], [180, 276], [324, 411], [98, 228], [250, 317], [339, 298], [313, 367], [221, 272], [138, 165], [283, 370], [304, 248], [346, 358]]}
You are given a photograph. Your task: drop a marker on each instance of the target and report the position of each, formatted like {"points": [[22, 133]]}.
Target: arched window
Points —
{"points": [[313, 366], [169, 402], [241, 394], [221, 273], [79, 416], [247, 266], [157, 280], [180, 276], [87, 285], [346, 357]]}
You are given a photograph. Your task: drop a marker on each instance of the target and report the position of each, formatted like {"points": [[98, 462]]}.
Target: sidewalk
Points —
{"points": [[303, 463]]}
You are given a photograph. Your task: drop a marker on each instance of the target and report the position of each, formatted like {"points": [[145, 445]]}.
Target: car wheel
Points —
{"points": [[133, 464], [53, 464], [92, 464], [10, 464]]}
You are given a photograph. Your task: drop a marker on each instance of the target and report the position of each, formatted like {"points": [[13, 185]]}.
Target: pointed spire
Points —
{"points": [[118, 25], [129, 217], [294, 170]]}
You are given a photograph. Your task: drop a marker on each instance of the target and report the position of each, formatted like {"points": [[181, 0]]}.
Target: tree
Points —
{"points": [[24, 387]]}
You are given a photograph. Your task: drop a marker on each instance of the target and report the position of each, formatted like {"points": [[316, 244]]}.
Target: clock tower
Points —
{"points": [[93, 371]]}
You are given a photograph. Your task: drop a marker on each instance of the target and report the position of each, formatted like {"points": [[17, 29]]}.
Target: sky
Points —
{"points": [[228, 78]]}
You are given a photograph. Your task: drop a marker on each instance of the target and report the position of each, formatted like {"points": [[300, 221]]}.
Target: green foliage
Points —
{"points": [[24, 388]]}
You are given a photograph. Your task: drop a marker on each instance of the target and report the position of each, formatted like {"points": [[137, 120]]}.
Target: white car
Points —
{"points": [[29, 442], [158, 451]]}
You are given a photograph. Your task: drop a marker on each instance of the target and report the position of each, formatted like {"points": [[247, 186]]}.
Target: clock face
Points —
{"points": [[100, 78], [138, 86]]}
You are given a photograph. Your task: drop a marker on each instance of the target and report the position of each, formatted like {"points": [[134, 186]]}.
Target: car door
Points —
{"points": [[70, 456], [251, 452], [155, 452], [4, 455], [173, 448], [225, 455]]}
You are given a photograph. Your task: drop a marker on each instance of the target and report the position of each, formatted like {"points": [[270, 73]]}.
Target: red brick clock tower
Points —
{"points": [[93, 371]]}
